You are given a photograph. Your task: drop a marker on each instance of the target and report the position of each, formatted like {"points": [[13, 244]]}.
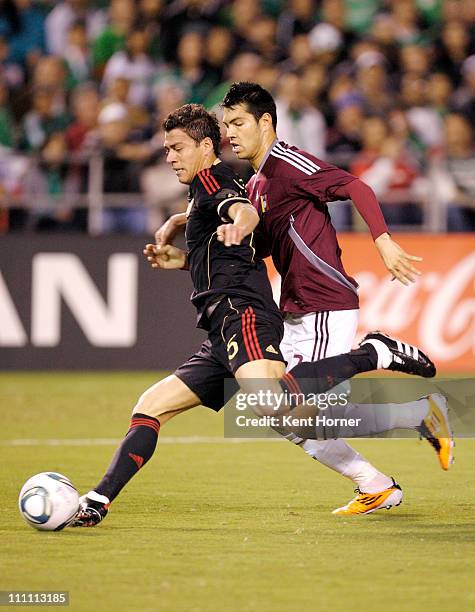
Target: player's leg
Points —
{"points": [[198, 381], [155, 407], [315, 336]]}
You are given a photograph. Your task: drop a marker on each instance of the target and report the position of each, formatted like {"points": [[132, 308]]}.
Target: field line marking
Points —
{"points": [[116, 441]]}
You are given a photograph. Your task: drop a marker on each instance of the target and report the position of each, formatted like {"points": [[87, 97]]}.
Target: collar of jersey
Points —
{"points": [[266, 156]]}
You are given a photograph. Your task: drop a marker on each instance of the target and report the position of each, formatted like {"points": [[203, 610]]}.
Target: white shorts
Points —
{"points": [[313, 336]]}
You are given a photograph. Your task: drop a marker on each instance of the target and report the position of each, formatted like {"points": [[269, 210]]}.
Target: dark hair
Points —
{"points": [[195, 121], [257, 100]]}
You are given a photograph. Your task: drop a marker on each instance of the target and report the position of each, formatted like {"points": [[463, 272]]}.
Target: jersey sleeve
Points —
{"points": [[323, 183], [219, 193]]}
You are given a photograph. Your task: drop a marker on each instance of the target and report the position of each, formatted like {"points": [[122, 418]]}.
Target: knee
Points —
{"points": [[151, 404]]}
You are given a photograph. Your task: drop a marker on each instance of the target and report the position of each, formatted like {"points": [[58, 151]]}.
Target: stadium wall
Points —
{"points": [[71, 302]]}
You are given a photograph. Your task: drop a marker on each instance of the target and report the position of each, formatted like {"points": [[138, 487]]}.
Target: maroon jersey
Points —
{"points": [[290, 191]]}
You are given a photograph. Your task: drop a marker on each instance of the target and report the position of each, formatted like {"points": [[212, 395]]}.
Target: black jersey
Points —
{"points": [[218, 271]]}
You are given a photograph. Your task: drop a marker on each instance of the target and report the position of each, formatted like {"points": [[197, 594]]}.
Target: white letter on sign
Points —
{"points": [[62, 275], [11, 329]]}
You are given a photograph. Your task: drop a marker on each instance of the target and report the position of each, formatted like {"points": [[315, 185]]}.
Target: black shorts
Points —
{"points": [[239, 332]]}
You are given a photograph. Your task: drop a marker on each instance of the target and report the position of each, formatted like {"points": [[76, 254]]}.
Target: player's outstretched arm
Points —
{"points": [[396, 260], [172, 226], [245, 220], [167, 257]]}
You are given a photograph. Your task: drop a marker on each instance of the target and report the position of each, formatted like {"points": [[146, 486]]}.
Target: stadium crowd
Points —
{"points": [[382, 88]]}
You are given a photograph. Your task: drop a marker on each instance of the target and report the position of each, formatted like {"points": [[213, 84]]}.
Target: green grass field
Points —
{"points": [[226, 526]]}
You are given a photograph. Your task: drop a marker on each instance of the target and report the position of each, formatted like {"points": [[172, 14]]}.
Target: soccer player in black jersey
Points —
{"points": [[234, 303]]}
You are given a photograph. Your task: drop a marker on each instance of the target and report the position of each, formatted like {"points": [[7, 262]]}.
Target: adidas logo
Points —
{"points": [[271, 349], [138, 460]]}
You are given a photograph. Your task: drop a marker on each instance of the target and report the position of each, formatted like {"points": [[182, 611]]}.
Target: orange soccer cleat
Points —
{"points": [[365, 503]]}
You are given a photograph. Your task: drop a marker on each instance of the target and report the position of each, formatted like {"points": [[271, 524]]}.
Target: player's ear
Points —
{"points": [[266, 121], [207, 144]]}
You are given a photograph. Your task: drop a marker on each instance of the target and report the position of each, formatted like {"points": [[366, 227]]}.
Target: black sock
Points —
{"points": [[320, 376], [136, 449]]}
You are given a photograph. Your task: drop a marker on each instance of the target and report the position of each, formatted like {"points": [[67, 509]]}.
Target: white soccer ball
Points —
{"points": [[48, 501]]}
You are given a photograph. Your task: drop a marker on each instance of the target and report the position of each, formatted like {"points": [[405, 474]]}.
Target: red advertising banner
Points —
{"points": [[437, 312]]}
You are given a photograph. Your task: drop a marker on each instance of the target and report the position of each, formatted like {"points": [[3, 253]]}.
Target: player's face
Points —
{"points": [[186, 156], [244, 132]]}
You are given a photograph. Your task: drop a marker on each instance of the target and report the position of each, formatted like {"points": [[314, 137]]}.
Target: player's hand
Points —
{"points": [[167, 257], [396, 260], [230, 234], [167, 232]]}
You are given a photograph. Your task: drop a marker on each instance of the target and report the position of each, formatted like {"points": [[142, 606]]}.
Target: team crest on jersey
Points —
{"points": [[224, 194], [263, 201]]}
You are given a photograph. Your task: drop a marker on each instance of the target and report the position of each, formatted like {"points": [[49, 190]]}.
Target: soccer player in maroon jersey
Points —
{"points": [[290, 189]]}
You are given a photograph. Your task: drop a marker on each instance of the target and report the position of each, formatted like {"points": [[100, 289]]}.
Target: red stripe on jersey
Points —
{"points": [[254, 334], [245, 336], [213, 180], [206, 184]]}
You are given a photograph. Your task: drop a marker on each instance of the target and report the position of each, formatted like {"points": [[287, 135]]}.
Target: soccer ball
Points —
{"points": [[48, 501]]}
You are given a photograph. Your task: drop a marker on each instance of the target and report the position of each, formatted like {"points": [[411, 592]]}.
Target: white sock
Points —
{"points": [[339, 456], [92, 495], [378, 418]]}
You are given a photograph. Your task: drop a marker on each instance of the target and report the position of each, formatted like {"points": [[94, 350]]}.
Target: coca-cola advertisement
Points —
{"points": [[437, 312]]}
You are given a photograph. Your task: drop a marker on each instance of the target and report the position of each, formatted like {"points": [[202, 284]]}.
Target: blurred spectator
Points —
{"points": [[406, 27], [43, 119], [81, 134], [191, 66], [300, 54], [360, 14], [423, 119], [7, 127], [465, 97], [50, 73], [452, 48], [439, 92], [244, 67], [456, 181], [52, 188], [326, 43], [22, 23], [120, 20], [261, 39], [123, 163], [179, 15], [163, 194], [77, 55], [344, 139], [387, 167], [220, 48], [64, 16], [135, 65], [372, 82], [299, 123], [297, 18], [11, 72], [334, 13], [150, 16], [415, 61], [383, 33], [399, 127]]}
